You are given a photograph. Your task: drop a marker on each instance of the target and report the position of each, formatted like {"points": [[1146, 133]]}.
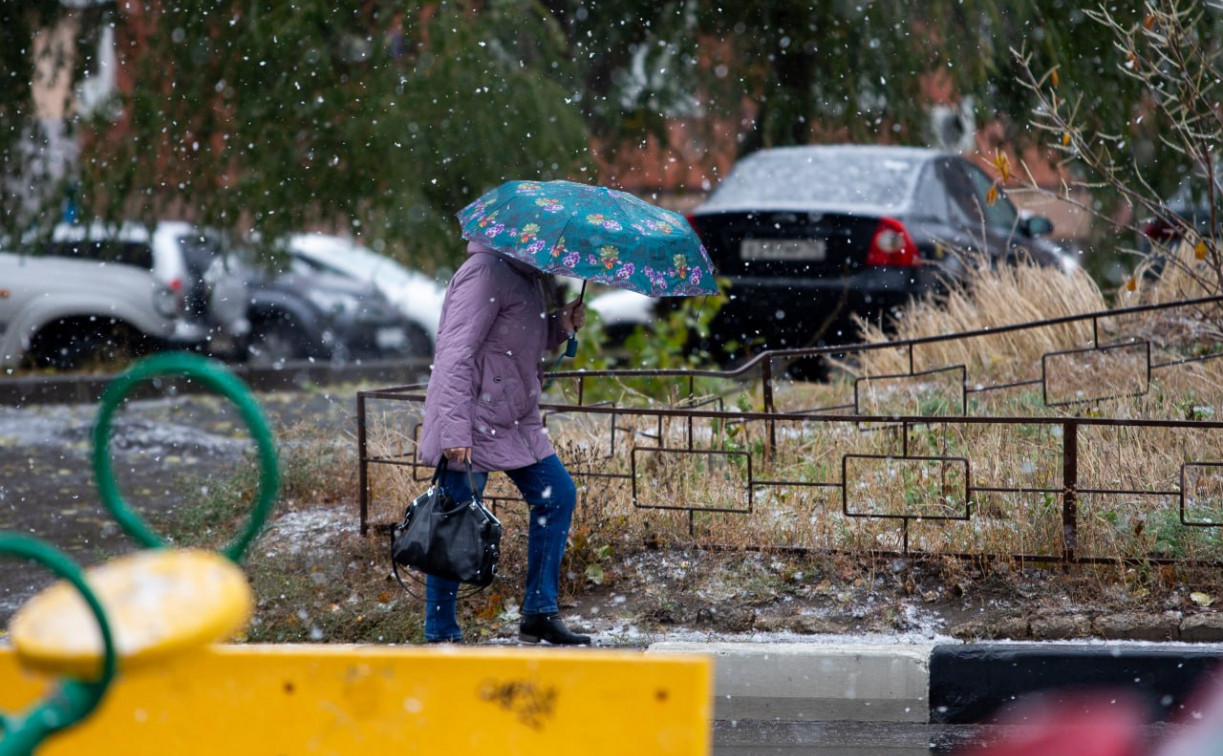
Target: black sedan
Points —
{"points": [[809, 235]]}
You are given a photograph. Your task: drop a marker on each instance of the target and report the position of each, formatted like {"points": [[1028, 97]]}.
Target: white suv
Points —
{"points": [[212, 287], [65, 313]]}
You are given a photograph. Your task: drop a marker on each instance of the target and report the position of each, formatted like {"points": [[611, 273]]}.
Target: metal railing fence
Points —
{"points": [[1078, 461]]}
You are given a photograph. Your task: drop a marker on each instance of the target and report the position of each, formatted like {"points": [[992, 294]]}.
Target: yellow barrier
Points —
{"points": [[345, 700]]}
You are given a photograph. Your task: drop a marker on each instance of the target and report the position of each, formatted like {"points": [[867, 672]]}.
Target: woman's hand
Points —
{"points": [[459, 454], [573, 316]]}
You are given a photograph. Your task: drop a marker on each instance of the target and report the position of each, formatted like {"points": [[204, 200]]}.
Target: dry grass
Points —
{"points": [[991, 297], [1178, 274]]}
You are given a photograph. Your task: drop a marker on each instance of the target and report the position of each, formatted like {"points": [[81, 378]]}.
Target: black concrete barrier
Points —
{"points": [[971, 683]]}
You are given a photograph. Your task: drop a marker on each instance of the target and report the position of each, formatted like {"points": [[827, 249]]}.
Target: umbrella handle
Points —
{"points": [[571, 349]]}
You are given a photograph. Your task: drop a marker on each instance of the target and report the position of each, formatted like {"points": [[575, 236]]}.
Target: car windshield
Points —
{"points": [[825, 179]]}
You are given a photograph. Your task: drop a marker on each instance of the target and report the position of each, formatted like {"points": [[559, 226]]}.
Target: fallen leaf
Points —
{"points": [[1201, 599]]}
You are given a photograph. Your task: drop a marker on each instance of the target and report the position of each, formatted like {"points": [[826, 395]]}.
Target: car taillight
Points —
{"points": [[892, 246], [1158, 229], [165, 301]]}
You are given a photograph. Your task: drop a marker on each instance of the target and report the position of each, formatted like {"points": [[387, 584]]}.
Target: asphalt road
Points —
{"points": [[870, 738], [839, 738], [162, 450]]}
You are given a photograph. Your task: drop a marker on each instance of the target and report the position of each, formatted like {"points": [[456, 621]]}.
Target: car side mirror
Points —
{"points": [[1038, 225]]}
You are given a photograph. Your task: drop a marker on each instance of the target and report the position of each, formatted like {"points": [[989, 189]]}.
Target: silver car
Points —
{"points": [[65, 313], [192, 261]]}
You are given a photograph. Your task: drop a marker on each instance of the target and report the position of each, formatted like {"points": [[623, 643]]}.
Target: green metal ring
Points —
{"points": [[75, 699], [216, 377]]}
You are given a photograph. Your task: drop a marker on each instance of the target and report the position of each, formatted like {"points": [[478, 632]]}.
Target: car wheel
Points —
{"points": [[72, 344], [273, 343]]}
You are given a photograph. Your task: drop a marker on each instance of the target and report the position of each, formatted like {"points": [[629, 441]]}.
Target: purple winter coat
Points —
{"points": [[488, 367]]}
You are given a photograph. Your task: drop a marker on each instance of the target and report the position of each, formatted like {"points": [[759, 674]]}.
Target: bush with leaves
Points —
{"points": [[675, 340], [1172, 52]]}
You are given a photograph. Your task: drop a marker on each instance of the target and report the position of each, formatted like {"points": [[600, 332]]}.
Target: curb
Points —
{"points": [[294, 376], [942, 683]]}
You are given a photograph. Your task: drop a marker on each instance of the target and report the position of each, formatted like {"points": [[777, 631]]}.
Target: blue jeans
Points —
{"points": [[551, 495]]}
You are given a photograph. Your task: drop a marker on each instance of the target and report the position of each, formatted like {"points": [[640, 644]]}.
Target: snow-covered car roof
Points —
{"points": [[825, 178]]}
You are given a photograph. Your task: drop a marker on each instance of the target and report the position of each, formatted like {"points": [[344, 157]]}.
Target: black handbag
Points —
{"points": [[446, 538]]}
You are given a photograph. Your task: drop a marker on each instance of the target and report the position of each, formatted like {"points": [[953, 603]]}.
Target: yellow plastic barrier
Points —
{"points": [[347, 700]]}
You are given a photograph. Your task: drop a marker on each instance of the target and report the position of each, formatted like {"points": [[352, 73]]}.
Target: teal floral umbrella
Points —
{"points": [[592, 233]]}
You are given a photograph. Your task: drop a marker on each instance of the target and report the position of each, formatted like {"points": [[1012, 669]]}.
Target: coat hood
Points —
{"points": [[527, 270]]}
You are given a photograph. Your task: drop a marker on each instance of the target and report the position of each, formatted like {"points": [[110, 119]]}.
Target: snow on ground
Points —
{"points": [[305, 530]]}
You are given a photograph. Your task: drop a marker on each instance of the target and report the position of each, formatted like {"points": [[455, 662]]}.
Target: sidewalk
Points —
{"points": [[941, 683]]}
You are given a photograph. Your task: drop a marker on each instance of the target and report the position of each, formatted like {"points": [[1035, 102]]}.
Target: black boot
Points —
{"points": [[548, 627]]}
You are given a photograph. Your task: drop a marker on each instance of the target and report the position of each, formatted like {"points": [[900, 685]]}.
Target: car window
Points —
{"points": [[1192, 197], [962, 202], [824, 177], [129, 253], [304, 266], [968, 189], [199, 252], [930, 199], [1001, 213]]}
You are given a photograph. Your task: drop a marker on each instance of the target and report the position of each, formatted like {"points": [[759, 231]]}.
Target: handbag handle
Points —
{"points": [[443, 463]]}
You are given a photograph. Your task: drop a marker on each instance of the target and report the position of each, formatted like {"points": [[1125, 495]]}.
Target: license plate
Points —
{"points": [[783, 249], [389, 338]]}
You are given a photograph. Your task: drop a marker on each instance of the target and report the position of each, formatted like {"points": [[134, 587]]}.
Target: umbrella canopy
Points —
{"points": [[592, 233]]}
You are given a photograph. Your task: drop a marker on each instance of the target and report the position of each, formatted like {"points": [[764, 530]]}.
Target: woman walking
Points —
{"points": [[482, 409]]}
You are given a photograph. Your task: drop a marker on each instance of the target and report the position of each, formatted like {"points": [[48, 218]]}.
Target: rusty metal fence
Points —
{"points": [[1107, 450]]}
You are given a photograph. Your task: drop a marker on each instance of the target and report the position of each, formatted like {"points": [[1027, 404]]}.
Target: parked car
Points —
{"points": [[304, 314], [233, 309], [1186, 212], [809, 235], [417, 296], [620, 311], [192, 261], [64, 313]]}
